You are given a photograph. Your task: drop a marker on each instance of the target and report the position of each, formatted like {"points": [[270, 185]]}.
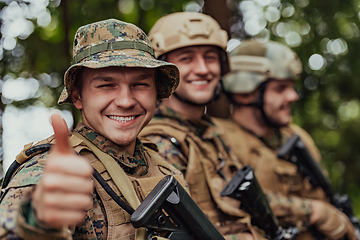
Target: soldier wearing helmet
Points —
{"points": [[185, 135], [260, 88], [115, 81]]}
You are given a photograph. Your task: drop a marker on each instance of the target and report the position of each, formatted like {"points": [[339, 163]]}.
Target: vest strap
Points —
{"points": [[120, 179]]}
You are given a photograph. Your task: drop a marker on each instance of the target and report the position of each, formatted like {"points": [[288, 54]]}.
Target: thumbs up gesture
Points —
{"points": [[64, 192]]}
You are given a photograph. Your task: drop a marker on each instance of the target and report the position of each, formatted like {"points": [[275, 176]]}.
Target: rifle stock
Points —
{"points": [[245, 188], [170, 208], [295, 151]]}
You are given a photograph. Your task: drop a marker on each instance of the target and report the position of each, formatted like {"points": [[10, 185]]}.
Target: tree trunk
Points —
{"points": [[220, 11]]}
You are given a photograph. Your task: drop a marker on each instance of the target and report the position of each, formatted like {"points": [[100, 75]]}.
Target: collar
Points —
{"points": [[133, 165], [203, 127], [274, 141]]}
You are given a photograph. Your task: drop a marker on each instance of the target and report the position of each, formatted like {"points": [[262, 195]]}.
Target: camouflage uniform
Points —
{"points": [[97, 45], [16, 214], [274, 174], [196, 147], [288, 191]]}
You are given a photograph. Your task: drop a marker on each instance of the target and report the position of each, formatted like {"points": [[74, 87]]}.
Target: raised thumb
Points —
{"points": [[62, 145]]}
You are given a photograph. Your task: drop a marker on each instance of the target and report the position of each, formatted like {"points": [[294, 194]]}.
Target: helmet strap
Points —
{"points": [[258, 104], [267, 120], [217, 91]]}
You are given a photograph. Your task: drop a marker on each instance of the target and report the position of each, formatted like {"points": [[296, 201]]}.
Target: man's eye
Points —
{"points": [[104, 86], [280, 89], [184, 59], [141, 84], [211, 57]]}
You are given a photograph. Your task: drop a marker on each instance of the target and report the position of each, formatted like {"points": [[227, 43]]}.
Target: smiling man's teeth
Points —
{"points": [[122, 119], [199, 82]]}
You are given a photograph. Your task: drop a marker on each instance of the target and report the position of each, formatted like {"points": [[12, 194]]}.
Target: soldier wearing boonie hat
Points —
{"points": [[115, 81], [185, 135], [260, 88], [115, 43]]}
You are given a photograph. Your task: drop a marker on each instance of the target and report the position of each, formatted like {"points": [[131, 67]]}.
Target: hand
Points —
{"points": [[64, 192], [317, 211], [331, 222], [248, 236]]}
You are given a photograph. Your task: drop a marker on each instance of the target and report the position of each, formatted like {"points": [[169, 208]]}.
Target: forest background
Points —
{"points": [[35, 51]]}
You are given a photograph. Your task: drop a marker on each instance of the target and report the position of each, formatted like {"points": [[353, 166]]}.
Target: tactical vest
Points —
{"points": [[119, 226], [273, 174], [118, 220], [205, 160]]}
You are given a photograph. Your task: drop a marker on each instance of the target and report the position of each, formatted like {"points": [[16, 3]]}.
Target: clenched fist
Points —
{"points": [[64, 192]]}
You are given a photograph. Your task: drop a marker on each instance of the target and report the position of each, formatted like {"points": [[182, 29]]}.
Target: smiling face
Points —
{"points": [[116, 102], [200, 72], [278, 98]]}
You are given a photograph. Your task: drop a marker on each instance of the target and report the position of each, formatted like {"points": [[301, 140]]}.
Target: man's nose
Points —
{"points": [[124, 98], [201, 66], [292, 95]]}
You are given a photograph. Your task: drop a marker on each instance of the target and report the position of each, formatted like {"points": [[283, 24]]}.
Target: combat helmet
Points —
{"points": [[183, 29], [253, 63], [115, 43]]}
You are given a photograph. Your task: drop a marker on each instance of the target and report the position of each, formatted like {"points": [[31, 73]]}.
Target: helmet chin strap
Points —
{"points": [[259, 104], [216, 96]]}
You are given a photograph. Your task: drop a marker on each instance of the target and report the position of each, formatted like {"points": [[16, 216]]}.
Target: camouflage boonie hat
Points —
{"points": [[116, 43], [253, 63]]}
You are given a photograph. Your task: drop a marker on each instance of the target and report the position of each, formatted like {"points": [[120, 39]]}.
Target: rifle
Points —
{"points": [[170, 208], [245, 188], [295, 151]]}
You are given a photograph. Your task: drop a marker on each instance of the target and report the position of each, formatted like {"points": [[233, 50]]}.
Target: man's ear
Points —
{"points": [[76, 98]]}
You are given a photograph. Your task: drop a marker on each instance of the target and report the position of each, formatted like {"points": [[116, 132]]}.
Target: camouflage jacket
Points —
{"points": [[288, 191], [16, 211], [196, 147], [170, 148]]}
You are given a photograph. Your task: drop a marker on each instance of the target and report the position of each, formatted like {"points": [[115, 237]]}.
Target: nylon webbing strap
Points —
{"points": [[109, 46], [120, 179]]}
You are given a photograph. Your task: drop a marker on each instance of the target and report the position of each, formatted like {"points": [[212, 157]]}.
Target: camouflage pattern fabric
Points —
{"points": [[135, 165], [23, 183], [170, 152], [203, 128], [292, 209], [116, 43], [201, 149]]}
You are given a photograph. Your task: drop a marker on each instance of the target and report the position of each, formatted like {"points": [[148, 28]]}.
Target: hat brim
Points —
{"points": [[167, 78]]}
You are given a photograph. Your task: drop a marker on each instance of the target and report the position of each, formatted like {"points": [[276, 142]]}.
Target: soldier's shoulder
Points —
{"points": [[29, 164], [296, 128], [29, 173], [300, 131], [165, 132], [228, 126]]}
